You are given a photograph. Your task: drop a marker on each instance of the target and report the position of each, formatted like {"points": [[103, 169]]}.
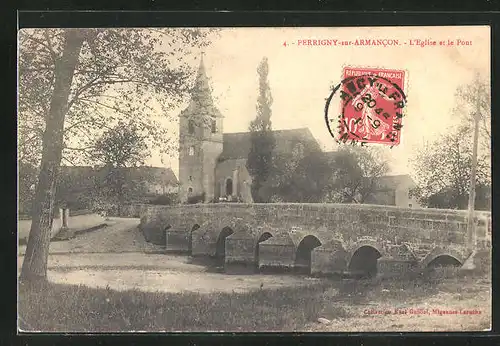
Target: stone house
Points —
{"points": [[156, 180], [394, 190]]}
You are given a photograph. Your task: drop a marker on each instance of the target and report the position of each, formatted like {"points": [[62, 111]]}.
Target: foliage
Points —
{"points": [[448, 185], [108, 186], [259, 163], [121, 146], [298, 177], [73, 188], [356, 174], [446, 198], [166, 199], [349, 175], [196, 199], [122, 74], [75, 83]]}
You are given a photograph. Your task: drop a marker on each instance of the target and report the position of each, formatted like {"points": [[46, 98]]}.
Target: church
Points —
{"points": [[212, 164]]}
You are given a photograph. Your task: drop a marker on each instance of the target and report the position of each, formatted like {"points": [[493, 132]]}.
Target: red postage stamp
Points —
{"points": [[372, 103]]}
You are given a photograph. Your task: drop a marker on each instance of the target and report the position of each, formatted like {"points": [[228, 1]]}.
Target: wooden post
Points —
{"points": [[65, 217], [471, 227]]}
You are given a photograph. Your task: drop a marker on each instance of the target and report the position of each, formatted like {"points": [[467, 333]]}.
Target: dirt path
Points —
{"points": [[76, 222], [121, 235]]}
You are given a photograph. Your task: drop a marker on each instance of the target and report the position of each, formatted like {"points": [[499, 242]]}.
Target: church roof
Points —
{"points": [[237, 145], [201, 102]]}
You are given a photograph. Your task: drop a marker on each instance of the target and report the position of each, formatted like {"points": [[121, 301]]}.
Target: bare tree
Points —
{"points": [[442, 170], [470, 99], [443, 167]]}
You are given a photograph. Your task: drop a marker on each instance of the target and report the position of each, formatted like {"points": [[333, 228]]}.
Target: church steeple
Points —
{"points": [[201, 91], [200, 141], [201, 103]]}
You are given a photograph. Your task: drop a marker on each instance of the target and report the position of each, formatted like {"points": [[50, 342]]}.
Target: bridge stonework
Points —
{"points": [[315, 238]]}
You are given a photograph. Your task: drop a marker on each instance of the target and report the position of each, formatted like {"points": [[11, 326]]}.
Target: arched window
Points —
{"points": [[191, 127], [190, 190], [191, 151]]}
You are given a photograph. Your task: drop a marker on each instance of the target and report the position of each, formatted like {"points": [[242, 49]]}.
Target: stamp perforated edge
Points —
{"points": [[406, 87]]}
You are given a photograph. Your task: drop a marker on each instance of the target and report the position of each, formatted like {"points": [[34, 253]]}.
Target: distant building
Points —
{"points": [[151, 181], [156, 180], [394, 190]]}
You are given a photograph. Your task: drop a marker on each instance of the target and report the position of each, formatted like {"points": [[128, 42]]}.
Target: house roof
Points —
{"points": [[237, 145], [158, 174]]}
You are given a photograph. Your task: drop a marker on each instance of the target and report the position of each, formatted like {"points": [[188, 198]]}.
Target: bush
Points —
{"points": [[166, 199], [196, 199]]}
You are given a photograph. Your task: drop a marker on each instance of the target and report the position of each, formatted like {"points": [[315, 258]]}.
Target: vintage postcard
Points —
{"points": [[254, 179]]}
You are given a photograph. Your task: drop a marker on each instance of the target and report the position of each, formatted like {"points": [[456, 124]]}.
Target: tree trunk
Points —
{"points": [[37, 251]]}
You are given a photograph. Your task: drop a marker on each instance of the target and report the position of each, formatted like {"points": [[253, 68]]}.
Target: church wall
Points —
{"points": [[190, 170], [245, 181], [226, 169], [197, 171], [211, 151]]}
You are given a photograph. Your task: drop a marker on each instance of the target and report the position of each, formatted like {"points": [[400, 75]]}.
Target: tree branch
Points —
{"points": [[45, 45], [80, 149]]}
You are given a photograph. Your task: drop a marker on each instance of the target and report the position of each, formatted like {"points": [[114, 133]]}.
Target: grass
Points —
{"points": [[57, 307], [46, 306]]}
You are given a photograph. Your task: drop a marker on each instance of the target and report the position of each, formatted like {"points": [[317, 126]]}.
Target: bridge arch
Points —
{"points": [[363, 259], [263, 236], [441, 257], [303, 253], [220, 247]]}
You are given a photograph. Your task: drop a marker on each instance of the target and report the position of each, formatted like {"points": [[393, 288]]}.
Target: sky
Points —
{"points": [[300, 78]]}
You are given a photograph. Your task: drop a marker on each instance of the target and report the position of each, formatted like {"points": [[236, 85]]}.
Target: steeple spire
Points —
{"points": [[201, 103], [201, 91]]}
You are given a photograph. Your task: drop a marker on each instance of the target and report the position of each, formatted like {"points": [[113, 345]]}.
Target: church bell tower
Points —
{"points": [[200, 142]]}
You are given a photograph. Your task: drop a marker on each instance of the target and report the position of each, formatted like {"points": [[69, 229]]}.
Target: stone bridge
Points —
{"points": [[316, 238]]}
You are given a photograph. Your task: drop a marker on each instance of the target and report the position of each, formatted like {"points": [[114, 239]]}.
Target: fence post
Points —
{"points": [[64, 212]]}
